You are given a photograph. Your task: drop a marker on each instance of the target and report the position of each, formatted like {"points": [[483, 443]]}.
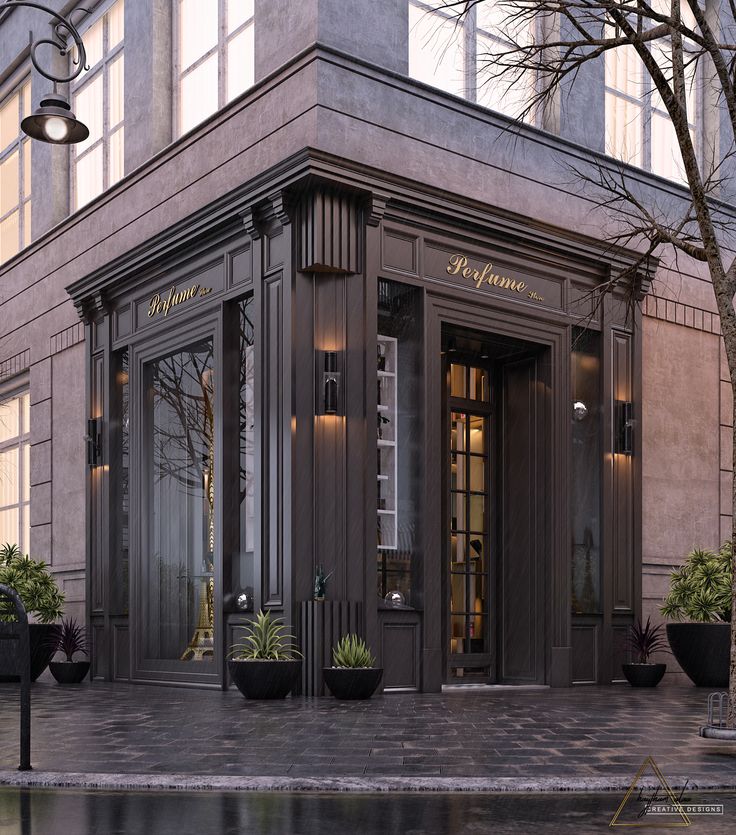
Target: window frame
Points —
{"points": [[648, 110], [12, 390], [17, 84], [220, 49], [87, 78], [468, 39]]}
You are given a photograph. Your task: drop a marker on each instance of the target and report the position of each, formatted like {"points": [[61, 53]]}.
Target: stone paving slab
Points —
{"points": [[592, 738]]}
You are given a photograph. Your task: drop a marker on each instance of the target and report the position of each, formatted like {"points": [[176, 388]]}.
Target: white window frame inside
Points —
{"points": [[101, 69], [20, 144], [466, 37], [20, 442], [220, 51], [648, 107]]}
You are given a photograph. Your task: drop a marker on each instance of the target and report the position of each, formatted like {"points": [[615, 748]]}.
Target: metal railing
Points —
{"points": [[20, 665]]}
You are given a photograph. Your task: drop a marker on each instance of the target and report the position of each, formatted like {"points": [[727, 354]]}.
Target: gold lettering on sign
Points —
{"points": [[458, 265], [163, 303]]}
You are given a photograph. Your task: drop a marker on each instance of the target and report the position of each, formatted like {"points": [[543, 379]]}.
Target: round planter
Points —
{"points": [[352, 682], [702, 650], [265, 679], [42, 651], [644, 675], [69, 672]]}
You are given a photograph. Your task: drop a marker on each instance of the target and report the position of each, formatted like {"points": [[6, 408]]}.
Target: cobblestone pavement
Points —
{"points": [[577, 733]]}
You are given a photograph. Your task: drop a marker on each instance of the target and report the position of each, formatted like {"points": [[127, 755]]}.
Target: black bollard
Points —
{"points": [[17, 631]]}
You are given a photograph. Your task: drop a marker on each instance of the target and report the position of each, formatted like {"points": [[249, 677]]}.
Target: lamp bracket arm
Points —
{"points": [[59, 42]]}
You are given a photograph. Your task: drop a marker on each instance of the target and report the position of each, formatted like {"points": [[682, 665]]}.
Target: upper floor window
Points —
{"points": [[97, 100], [15, 172], [638, 127], [15, 479], [457, 53], [215, 57]]}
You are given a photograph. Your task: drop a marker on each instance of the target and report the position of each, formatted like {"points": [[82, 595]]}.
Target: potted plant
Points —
{"points": [[353, 674], [320, 582], [700, 594], [43, 601], [263, 665], [69, 638], [643, 641]]}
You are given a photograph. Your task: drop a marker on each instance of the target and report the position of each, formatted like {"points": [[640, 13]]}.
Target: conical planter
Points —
{"points": [[42, 650], [69, 672], [352, 682], [265, 679], [702, 650], [644, 675]]}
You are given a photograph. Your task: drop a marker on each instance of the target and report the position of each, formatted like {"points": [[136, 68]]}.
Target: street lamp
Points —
{"points": [[53, 121]]}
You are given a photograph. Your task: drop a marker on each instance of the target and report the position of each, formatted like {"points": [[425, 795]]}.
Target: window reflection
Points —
{"points": [[180, 498]]}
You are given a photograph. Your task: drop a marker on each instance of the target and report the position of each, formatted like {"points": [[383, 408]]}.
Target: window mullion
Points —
{"points": [[222, 54]]}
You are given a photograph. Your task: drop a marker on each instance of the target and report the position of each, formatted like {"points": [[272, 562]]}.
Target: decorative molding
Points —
{"points": [[66, 339], [377, 205], [678, 313], [15, 364], [330, 230]]}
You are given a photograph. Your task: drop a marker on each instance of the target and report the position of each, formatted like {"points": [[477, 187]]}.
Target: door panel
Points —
{"points": [[521, 523]]}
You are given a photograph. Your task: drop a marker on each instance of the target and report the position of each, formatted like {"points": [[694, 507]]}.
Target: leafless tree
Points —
{"points": [[679, 43]]}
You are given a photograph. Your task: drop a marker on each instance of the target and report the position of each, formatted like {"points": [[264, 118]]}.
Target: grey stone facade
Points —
{"points": [[331, 76]]}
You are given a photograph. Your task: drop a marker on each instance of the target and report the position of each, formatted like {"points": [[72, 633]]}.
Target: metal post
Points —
{"points": [[19, 632]]}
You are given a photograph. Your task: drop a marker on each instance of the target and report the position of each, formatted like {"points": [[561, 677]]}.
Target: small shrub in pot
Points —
{"points": [[353, 674], [70, 639], [644, 641]]}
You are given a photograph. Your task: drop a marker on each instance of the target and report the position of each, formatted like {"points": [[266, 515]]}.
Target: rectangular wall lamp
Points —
{"points": [[94, 442], [625, 427], [328, 398]]}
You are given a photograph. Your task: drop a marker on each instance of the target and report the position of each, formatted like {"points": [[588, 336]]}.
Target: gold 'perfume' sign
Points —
{"points": [[163, 303], [458, 265]]}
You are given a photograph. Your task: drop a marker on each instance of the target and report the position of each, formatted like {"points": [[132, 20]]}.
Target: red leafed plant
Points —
{"points": [[69, 638], [646, 640]]}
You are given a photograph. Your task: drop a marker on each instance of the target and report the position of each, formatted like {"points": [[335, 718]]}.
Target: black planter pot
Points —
{"points": [[702, 650], [352, 682], [644, 675], [41, 650], [265, 679], [69, 672]]}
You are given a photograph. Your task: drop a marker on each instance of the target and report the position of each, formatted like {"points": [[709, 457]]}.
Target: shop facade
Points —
{"points": [[421, 396]]}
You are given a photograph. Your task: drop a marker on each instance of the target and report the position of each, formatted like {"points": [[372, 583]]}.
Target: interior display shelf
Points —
{"points": [[387, 425]]}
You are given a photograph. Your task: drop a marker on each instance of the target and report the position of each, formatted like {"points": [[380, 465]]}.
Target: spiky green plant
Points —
{"points": [[265, 640], [33, 582], [700, 590], [351, 651]]}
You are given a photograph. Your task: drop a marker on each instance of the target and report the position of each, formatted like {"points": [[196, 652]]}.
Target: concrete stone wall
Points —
{"points": [[370, 113]]}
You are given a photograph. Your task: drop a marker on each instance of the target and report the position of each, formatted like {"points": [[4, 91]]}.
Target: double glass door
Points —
{"points": [[469, 525]]}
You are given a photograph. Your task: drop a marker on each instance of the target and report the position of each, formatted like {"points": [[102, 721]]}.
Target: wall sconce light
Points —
{"points": [[94, 442], [625, 432], [329, 395], [579, 410]]}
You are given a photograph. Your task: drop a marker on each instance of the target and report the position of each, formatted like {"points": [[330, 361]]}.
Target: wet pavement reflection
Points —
{"points": [[76, 812]]}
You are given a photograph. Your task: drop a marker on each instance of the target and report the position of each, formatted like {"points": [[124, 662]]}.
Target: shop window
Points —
{"points": [[178, 567], [215, 56], [15, 172], [15, 481], [399, 443], [120, 574], [638, 127], [456, 49], [243, 580], [586, 472], [98, 101]]}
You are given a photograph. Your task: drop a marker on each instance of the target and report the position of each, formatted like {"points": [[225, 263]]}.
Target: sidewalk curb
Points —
{"points": [[186, 782]]}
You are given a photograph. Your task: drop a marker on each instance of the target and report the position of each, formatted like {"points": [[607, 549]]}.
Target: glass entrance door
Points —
{"points": [[470, 631]]}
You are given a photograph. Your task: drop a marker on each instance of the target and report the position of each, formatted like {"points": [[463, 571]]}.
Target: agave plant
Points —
{"points": [[33, 582], [265, 640], [351, 651], [646, 640], [700, 590], [69, 638]]}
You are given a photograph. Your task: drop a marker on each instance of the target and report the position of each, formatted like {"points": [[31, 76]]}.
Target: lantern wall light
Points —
{"points": [[53, 120]]}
